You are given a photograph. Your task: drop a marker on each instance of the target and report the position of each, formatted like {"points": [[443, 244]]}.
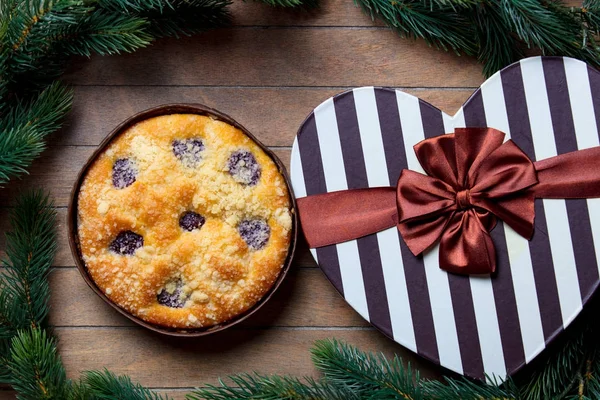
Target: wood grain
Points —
{"points": [[63, 257], [10, 395], [57, 170], [98, 110], [305, 299], [268, 72], [159, 361], [273, 115], [284, 57]]}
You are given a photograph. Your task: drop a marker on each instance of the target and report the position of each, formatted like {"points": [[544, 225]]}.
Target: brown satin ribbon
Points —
{"points": [[473, 178]]}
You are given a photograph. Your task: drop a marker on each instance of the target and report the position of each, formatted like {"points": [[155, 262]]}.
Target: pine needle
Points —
{"points": [[37, 37], [35, 367], [30, 249], [104, 385], [259, 387], [442, 27], [26, 125], [371, 376]]}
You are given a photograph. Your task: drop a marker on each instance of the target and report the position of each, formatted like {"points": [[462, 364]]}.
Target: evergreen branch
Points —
{"points": [[104, 385], [24, 128], [497, 46], [187, 17], [368, 375], [292, 3], [554, 31], [590, 12], [455, 4], [4, 361], [38, 36], [464, 389], [105, 34], [35, 367], [442, 28], [31, 17], [30, 250], [558, 374], [258, 387]]}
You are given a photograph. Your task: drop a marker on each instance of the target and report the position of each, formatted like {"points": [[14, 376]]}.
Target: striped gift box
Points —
{"points": [[474, 325]]}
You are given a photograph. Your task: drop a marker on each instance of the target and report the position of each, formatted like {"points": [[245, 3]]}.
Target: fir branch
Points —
{"points": [[35, 367], [4, 361], [497, 47], [464, 389], [557, 376], [32, 17], [105, 34], [38, 36], [368, 375], [258, 387], [104, 385], [553, 31], [590, 13], [187, 17], [26, 125], [442, 28], [307, 4], [30, 250], [455, 4]]}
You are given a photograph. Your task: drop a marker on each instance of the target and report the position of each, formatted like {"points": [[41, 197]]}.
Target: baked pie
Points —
{"points": [[184, 221]]}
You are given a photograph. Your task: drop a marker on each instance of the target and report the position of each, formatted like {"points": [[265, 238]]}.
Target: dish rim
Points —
{"points": [[72, 215]]}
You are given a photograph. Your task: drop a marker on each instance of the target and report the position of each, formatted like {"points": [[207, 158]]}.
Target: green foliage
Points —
{"points": [[497, 46], [464, 389], [25, 125], [35, 367], [496, 31], [104, 385], [367, 375], [440, 26], [30, 249], [37, 37], [307, 4], [258, 387]]}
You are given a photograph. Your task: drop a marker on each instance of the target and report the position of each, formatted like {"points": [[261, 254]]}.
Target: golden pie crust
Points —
{"points": [[212, 271]]}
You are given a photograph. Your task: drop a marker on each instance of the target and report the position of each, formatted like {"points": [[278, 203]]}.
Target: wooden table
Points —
{"points": [[268, 71]]}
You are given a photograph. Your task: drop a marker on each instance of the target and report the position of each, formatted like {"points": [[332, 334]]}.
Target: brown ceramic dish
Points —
{"points": [[73, 215]]}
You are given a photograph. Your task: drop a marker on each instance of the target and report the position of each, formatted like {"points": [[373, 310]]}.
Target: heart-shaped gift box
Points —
{"points": [[475, 325]]}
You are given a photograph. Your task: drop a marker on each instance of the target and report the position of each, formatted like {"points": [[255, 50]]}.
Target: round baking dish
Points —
{"points": [[73, 213]]}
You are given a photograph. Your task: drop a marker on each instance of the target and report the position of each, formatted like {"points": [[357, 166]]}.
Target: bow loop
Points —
{"points": [[466, 246], [474, 177]]}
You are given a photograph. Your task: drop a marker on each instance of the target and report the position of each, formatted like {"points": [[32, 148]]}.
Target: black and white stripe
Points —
{"points": [[472, 325]]}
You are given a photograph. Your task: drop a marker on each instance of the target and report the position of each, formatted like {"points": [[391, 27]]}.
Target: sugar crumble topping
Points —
{"points": [[195, 238]]}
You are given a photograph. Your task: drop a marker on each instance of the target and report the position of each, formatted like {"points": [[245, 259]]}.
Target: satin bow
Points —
{"points": [[473, 177]]}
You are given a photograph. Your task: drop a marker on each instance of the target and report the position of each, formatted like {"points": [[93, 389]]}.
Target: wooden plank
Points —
{"points": [[273, 115], [63, 258], [57, 170], [159, 361], [305, 298], [63, 255], [283, 57], [329, 13], [10, 395]]}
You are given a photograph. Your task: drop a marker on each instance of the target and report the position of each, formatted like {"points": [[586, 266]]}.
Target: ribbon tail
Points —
{"points": [[337, 217], [466, 247], [571, 175]]}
